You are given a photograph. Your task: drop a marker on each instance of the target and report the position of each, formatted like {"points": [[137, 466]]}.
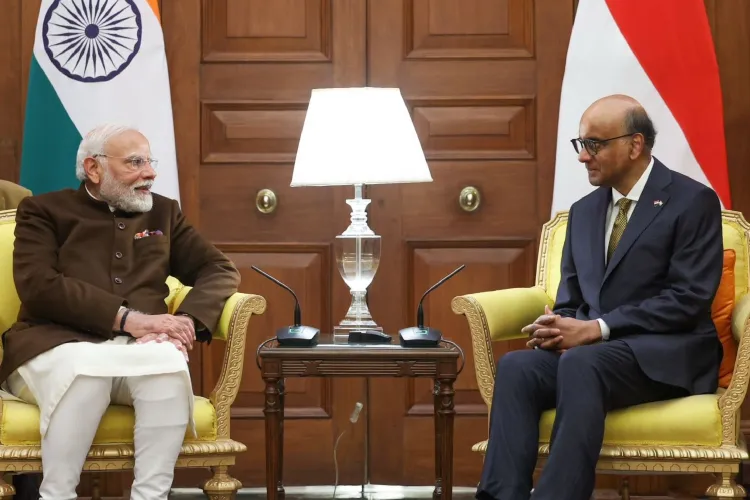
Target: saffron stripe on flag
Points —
{"points": [[678, 31], [155, 7]]}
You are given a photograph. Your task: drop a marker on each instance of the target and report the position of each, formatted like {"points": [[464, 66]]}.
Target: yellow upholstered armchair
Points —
{"points": [[20, 449], [696, 434]]}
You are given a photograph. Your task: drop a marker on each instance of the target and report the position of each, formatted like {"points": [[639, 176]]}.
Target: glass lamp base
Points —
{"points": [[358, 256], [357, 318]]}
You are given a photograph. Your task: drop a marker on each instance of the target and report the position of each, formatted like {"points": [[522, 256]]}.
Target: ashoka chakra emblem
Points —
{"points": [[92, 40]]}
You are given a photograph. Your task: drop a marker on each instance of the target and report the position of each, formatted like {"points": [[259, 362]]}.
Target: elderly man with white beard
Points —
{"points": [[90, 267]]}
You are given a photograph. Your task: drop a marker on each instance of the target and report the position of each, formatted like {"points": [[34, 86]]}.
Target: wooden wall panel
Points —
{"points": [[11, 114], [476, 128], [230, 191], [507, 203], [251, 132], [258, 30], [484, 29], [488, 262], [181, 22], [305, 269], [730, 24]]}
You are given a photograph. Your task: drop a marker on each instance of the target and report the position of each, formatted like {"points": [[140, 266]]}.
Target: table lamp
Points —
{"points": [[358, 136]]}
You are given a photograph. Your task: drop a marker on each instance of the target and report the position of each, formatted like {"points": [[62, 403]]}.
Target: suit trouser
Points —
{"points": [[161, 419], [583, 384]]}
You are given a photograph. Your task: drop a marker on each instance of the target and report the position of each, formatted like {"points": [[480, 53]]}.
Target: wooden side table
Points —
{"points": [[366, 360]]}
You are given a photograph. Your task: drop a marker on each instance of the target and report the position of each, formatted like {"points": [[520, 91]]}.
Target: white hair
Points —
{"points": [[94, 143]]}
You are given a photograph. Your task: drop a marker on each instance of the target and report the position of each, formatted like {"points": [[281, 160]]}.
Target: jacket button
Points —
{"points": [[118, 281], [118, 255], [121, 225]]}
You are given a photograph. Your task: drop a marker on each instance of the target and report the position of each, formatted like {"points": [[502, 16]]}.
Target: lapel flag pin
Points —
{"points": [[658, 203]]}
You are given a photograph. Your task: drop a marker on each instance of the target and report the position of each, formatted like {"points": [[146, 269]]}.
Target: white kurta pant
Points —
{"points": [[74, 383]]}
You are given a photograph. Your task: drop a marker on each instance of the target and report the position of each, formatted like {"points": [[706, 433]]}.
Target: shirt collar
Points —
{"points": [[111, 208], [637, 190]]}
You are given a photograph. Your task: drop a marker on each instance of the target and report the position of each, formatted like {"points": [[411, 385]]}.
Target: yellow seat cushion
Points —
{"points": [[20, 424], [690, 421]]}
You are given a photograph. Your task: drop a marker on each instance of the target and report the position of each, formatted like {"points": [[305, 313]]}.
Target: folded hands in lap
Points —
{"points": [[553, 332], [177, 330]]}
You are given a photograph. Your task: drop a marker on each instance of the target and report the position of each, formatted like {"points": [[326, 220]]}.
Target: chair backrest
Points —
{"points": [[735, 232], [9, 301]]}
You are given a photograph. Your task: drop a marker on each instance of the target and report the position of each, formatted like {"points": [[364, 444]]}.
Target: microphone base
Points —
{"points": [[420, 337], [297, 336]]}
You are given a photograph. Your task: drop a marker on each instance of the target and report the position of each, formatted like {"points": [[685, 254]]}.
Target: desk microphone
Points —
{"points": [[419, 336], [296, 335]]}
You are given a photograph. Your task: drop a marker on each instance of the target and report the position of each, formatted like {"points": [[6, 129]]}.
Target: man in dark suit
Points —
{"points": [[631, 324], [90, 267]]}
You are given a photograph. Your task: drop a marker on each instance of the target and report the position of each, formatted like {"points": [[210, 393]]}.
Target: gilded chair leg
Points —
{"points": [[6, 490], [725, 487], [222, 486]]}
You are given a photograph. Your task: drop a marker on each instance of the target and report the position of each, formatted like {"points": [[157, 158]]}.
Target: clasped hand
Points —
{"points": [[178, 330], [552, 331]]}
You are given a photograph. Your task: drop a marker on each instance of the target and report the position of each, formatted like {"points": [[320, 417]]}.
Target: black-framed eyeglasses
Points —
{"points": [[593, 146]]}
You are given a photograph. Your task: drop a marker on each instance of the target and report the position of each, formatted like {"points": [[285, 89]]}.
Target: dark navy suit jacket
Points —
{"points": [[656, 292]]}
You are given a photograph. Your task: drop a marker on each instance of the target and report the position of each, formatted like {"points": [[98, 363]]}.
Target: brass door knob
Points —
{"points": [[469, 198], [266, 201]]}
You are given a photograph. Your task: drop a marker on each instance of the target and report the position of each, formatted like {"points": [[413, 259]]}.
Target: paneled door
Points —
{"points": [[482, 80]]}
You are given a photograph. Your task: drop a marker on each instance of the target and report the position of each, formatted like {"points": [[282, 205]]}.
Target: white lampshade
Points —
{"points": [[358, 136]]}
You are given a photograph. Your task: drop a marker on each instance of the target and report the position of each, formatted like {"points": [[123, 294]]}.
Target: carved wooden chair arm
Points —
{"points": [[497, 315], [731, 401], [233, 329]]}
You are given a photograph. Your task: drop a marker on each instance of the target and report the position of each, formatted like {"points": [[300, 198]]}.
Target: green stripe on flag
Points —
{"points": [[50, 139]]}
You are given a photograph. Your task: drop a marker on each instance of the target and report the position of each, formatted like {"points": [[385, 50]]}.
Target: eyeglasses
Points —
{"points": [[593, 146], [134, 163]]}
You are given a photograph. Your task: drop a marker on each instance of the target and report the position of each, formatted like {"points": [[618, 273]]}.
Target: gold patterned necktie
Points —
{"points": [[619, 228]]}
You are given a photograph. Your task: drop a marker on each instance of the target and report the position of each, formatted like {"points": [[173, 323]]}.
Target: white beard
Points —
{"points": [[125, 197]]}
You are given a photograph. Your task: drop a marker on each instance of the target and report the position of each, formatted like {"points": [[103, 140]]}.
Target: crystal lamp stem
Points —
{"points": [[358, 256]]}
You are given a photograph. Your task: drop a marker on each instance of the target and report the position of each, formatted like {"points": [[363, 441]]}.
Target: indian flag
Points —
{"points": [[661, 53], [95, 62]]}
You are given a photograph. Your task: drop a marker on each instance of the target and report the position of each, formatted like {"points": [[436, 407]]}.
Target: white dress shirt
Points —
{"points": [[633, 195]]}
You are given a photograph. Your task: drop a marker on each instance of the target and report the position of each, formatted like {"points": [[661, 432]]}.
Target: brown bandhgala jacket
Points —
{"points": [[76, 262]]}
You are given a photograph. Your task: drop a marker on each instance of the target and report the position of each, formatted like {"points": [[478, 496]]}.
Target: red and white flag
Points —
{"points": [[661, 53]]}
